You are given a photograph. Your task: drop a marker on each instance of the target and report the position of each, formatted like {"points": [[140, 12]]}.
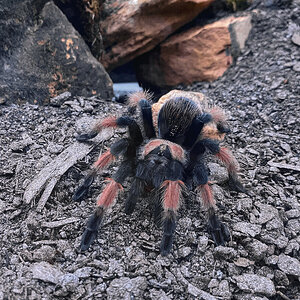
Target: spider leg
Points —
{"points": [[103, 161], [146, 111], [105, 200], [195, 128], [109, 122], [127, 147], [219, 231], [136, 190], [123, 146], [114, 122], [227, 158], [172, 193]]}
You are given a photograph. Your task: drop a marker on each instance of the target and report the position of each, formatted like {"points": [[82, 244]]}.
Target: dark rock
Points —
{"points": [[266, 213], [60, 99], [158, 294], [225, 252], [20, 146], [222, 290], [45, 253], [46, 56], [85, 17], [218, 173], [199, 294], [281, 278]]}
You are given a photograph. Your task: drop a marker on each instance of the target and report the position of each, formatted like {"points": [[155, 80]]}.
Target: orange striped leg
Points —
{"points": [[171, 202]]}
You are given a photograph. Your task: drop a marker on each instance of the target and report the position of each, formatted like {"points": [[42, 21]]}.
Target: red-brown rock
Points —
{"points": [[134, 27], [199, 54]]}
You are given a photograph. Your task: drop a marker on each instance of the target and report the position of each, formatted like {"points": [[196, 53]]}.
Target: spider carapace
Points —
{"points": [[164, 152]]}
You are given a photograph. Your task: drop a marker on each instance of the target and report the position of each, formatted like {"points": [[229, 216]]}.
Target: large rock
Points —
{"points": [[42, 55], [131, 28], [85, 17], [199, 54]]}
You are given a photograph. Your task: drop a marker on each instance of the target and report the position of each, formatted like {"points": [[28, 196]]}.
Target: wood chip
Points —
{"points": [[47, 178], [60, 223], [243, 262], [284, 166]]}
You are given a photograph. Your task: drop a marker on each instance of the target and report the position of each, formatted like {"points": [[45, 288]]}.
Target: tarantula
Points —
{"points": [[165, 154]]}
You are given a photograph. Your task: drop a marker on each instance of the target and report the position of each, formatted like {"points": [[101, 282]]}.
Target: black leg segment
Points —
{"points": [[83, 189], [169, 225], [218, 230], [147, 118], [136, 190], [91, 230], [194, 130]]}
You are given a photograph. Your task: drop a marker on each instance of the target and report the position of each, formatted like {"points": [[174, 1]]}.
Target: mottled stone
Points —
{"points": [[199, 294], [225, 252], [257, 249], [289, 265], [252, 283], [124, 287], [45, 253], [48, 58], [46, 272], [247, 228], [266, 213]]}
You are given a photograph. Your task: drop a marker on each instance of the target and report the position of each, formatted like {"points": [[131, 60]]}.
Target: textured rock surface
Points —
{"points": [[199, 54], [46, 272], [132, 28], [289, 265], [47, 57], [255, 284], [126, 288]]}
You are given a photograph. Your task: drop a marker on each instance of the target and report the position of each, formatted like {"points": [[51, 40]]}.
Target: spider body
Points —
{"points": [[164, 154]]}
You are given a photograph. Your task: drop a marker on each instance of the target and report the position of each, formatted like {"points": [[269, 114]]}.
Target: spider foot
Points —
{"points": [[236, 185], [169, 225], [83, 189], [86, 136], [129, 207], [91, 231], [166, 244], [218, 230]]}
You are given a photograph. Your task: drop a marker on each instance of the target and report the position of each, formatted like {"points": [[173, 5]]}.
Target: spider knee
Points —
{"points": [[109, 194], [207, 196]]}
